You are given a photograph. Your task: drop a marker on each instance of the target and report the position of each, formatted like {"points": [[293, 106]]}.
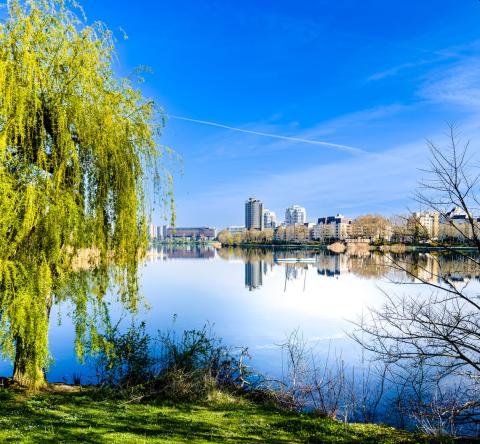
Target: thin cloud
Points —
{"points": [[274, 136], [458, 85], [395, 70], [345, 185], [452, 53]]}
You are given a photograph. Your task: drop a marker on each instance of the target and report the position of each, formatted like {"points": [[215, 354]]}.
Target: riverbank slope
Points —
{"points": [[68, 414]]}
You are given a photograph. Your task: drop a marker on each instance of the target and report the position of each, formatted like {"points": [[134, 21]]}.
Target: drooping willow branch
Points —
{"points": [[76, 146]]}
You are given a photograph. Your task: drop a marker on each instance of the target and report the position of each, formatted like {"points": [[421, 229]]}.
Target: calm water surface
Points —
{"points": [[254, 298]]}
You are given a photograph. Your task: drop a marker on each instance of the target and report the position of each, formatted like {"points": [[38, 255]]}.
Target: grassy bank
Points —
{"points": [[68, 415]]}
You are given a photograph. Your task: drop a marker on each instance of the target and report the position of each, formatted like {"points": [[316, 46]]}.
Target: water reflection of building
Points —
{"points": [[461, 267], [192, 253], [396, 267], [254, 274], [180, 252], [295, 271], [291, 272], [333, 265], [154, 255], [428, 270]]}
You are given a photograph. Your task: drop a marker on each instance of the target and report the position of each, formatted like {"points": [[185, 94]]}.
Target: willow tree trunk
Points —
{"points": [[26, 371], [29, 366]]}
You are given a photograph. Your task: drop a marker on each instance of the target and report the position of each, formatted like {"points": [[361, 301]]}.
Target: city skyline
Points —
{"points": [[297, 215]]}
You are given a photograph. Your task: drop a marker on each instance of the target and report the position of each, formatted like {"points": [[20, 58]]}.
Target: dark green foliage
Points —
{"points": [[184, 367], [126, 360]]}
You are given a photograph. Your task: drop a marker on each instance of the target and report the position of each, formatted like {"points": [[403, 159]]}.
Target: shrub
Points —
{"points": [[178, 367], [125, 360]]}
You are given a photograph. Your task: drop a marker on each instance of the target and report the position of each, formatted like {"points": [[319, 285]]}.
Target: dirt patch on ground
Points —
{"points": [[54, 387], [60, 387]]}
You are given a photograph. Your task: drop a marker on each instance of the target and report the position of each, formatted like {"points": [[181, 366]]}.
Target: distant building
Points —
{"points": [[155, 232], [195, 233], [295, 215], [234, 229], [456, 226], [253, 214], [269, 219], [425, 224], [159, 232], [294, 233], [455, 215], [336, 227]]}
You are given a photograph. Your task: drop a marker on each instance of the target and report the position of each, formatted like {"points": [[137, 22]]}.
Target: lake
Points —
{"points": [[255, 297]]}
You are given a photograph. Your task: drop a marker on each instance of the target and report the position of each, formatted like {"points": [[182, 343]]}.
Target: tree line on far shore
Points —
{"points": [[372, 228]]}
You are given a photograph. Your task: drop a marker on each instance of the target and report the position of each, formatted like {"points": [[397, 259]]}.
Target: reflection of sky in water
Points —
{"points": [[252, 300]]}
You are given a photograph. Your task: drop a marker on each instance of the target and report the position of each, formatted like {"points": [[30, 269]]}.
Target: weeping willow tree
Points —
{"points": [[76, 146]]}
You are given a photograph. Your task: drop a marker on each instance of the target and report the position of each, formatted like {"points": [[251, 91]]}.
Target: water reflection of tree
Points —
{"points": [[247, 254], [85, 292], [172, 251]]}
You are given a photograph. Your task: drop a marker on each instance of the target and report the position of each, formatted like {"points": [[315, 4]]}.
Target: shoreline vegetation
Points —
{"points": [[185, 387], [190, 387]]}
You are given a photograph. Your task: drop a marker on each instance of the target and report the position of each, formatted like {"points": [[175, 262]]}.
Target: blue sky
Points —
{"points": [[378, 76]]}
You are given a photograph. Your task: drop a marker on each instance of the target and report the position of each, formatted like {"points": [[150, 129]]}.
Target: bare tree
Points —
{"points": [[324, 386], [373, 226], [453, 180], [438, 328]]}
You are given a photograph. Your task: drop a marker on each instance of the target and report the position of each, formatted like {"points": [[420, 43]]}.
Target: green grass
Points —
{"points": [[83, 416]]}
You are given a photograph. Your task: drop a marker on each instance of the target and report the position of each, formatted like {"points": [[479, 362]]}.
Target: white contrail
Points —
{"points": [[275, 136]]}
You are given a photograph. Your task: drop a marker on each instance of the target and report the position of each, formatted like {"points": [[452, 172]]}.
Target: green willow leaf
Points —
{"points": [[77, 144]]}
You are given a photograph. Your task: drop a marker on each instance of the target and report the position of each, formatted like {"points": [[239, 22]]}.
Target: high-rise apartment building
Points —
{"points": [[295, 215], [253, 214], [269, 219]]}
